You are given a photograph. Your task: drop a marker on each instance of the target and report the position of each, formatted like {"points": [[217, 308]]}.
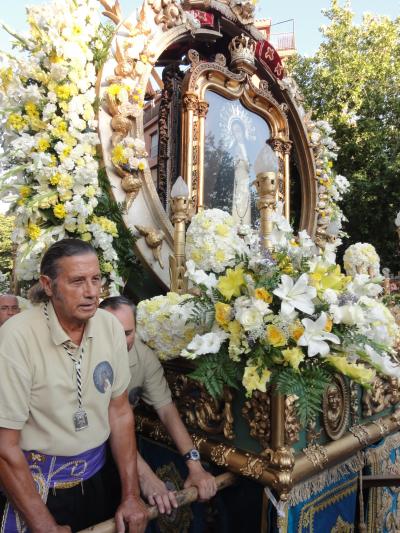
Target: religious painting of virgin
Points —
{"points": [[233, 138]]}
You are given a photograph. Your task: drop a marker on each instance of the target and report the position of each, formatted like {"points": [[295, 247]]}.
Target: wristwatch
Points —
{"points": [[192, 455]]}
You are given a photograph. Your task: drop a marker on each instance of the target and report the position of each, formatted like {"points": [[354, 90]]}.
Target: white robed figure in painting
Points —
{"points": [[237, 131]]}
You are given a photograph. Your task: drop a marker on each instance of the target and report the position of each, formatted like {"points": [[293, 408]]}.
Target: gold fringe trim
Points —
{"points": [[380, 453], [304, 491]]}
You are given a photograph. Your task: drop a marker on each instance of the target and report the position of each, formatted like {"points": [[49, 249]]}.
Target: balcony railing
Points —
{"points": [[283, 41]]}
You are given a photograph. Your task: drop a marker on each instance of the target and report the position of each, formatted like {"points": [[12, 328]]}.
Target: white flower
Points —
{"points": [[329, 296], [348, 314], [382, 362], [397, 219], [315, 336], [199, 277], [250, 312], [205, 344], [297, 295], [362, 285]]}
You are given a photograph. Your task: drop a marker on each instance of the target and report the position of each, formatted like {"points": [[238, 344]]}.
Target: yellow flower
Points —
{"points": [[65, 181], [220, 256], [6, 76], [262, 294], [118, 156], [16, 122], [328, 277], [230, 284], [196, 256], [55, 178], [42, 144], [143, 58], [25, 191], [296, 331], [36, 124], [222, 313], [222, 230], [106, 267], [328, 325], [293, 356], [354, 371], [141, 165], [114, 89], [86, 236], [31, 109], [34, 231], [66, 91], [252, 380], [275, 336], [90, 191], [59, 211], [54, 58]]}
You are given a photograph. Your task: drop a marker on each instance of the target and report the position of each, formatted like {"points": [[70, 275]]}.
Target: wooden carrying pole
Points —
{"points": [[183, 497]]}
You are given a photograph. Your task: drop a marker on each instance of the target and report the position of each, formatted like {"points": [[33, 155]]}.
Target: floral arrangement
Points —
{"points": [[288, 317], [361, 258], [130, 154], [155, 318], [48, 101]]}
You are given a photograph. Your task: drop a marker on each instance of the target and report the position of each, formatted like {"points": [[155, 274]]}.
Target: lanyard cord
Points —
{"points": [[77, 362]]}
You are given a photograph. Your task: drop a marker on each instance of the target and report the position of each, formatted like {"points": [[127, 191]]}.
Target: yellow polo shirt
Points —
{"points": [[38, 390], [147, 377]]}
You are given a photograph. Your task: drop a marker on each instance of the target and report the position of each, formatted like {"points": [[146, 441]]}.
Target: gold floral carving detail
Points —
{"points": [[244, 10], [199, 409], [292, 423], [378, 397], [336, 408], [254, 467], [342, 526], [354, 403], [154, 239], [220, 454], [257, 411], [317, 455], [360, 433]]}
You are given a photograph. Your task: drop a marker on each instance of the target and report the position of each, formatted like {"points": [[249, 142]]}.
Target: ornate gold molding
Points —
{"points": [[199, 410], [292, 423], [257, 412]]}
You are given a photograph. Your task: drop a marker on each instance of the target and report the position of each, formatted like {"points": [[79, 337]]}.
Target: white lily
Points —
{"points": [[382, 362], [199, 277], [297, 295], [205, 344], [315, 336]]}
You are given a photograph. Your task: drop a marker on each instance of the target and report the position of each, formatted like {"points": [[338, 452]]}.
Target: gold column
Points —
{"points": [[179, 211], [286, 152], [203, 110], [190, 106]]}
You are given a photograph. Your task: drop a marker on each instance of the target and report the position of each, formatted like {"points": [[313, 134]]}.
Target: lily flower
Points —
{"points": [[297, 295], [315, 336]]}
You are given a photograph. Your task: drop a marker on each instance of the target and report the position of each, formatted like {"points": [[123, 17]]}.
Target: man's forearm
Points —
{"points": [[123, 447], [16, 480]]}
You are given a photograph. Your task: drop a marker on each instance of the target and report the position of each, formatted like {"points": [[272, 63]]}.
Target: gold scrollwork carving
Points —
{"points": [[199, 409], [378, 397], [254, 467], [316, 454], [292, 423], [360, 433], [154, 239], [336, 408], [220, 454], [168, 13], [257, 411]]}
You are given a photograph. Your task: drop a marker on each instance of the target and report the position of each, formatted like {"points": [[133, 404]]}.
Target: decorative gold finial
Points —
{"points": [[180, 209]]}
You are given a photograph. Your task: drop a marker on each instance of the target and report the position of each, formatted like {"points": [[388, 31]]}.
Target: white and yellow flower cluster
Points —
{"points": [[212, 241], [163, 324], [361, 258], [291, 308], [50, 135], [130, 154]]}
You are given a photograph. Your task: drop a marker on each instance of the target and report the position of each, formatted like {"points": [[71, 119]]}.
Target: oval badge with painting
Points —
{"points": [[103, 376]]}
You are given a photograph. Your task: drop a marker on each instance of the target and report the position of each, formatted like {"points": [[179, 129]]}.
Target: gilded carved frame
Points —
{"points": [[250, 91]]}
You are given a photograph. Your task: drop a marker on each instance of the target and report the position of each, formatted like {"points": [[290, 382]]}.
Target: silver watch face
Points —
{"points": [[194, 455]]}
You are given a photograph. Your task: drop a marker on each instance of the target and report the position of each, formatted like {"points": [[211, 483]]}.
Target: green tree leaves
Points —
{"points": [[353, 81]]}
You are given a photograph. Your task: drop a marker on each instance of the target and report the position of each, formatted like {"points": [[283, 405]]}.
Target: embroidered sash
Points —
{"points": [[54, 472]]}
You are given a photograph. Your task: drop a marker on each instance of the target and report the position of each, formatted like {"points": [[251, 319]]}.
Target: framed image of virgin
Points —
{"points": [[233, 138]]}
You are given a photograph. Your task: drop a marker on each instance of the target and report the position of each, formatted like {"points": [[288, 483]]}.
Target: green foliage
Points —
{"points": [[309, 387], [106, 34], [6, 244], [215, 371], [123, 245], [203, 313], [353, 82]]}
